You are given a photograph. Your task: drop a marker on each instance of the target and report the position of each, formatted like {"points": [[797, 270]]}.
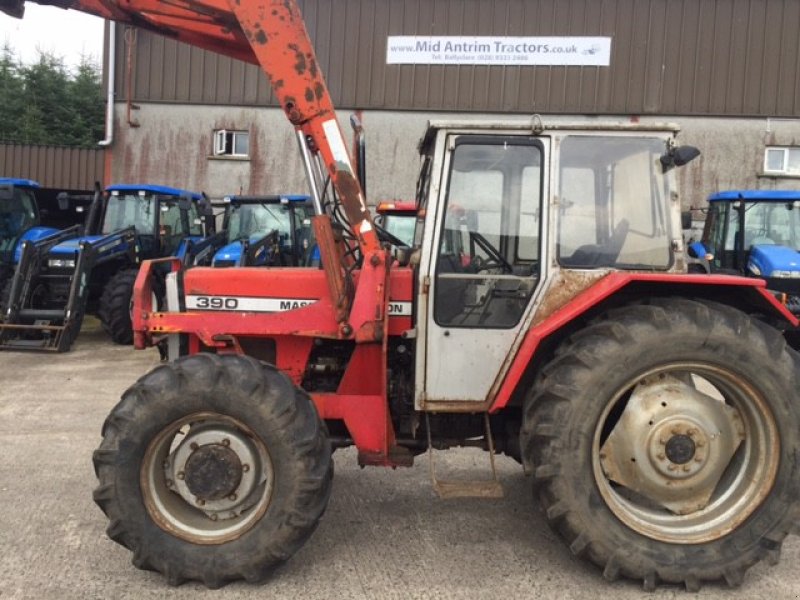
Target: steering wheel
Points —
{"points": [[496, 259], [386, 236]]}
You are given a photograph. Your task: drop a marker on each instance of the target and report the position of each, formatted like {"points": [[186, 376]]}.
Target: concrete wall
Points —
{"points": [[173, 146]]}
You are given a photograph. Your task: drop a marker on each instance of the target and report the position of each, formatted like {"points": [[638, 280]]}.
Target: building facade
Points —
{"points": [[727, 71]]}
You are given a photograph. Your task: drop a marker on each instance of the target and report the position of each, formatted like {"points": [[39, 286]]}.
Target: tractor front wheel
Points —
{"points": [[213, 468], [663, 443]]}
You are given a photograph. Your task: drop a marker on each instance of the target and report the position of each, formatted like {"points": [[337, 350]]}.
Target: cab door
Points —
{"points": [[484, 262]]}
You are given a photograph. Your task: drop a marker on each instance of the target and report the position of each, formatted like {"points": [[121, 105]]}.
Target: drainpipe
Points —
{"points": [[112, 60]]}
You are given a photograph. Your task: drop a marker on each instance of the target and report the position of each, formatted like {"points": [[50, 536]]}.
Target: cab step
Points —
{"points": [[481, 488]]}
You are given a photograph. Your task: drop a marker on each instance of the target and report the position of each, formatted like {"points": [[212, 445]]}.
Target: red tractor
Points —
{"points": [[545, 312]]}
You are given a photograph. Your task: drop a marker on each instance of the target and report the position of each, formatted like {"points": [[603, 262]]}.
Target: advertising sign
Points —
{"points": [[500, 50]]}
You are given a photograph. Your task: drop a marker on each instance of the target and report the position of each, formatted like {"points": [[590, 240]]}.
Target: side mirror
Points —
{"points": [[6, 191], [686, 219], [678, 156], [684, 155], [63, 201], [204, 207]]}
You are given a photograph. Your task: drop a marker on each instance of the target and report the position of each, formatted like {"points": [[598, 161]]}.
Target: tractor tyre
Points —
{"points": [[115, 306], [213, 469], [663, 442], [5, 294]]}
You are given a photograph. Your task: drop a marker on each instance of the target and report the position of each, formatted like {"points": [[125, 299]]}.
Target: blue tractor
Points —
{"points": [[267, 231], [57, 281], [754, 233], [19, 222]]}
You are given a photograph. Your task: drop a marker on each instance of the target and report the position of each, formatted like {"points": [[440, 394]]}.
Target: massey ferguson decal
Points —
{"points": [[249, 304]]}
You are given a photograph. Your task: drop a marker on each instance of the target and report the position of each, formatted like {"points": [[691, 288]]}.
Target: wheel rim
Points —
{"points": [[685, 453], [207, 478]]}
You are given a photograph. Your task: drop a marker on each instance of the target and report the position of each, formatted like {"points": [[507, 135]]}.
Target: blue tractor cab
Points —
{"points": [[19, 222], [754, 233], [267, 231], [57, 281]]}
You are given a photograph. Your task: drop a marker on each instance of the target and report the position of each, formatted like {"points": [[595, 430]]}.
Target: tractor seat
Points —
{"points": [[600, 255]]}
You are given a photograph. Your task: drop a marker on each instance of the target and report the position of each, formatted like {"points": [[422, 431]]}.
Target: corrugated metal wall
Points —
{"points": [[53, 166], [677, 57]]}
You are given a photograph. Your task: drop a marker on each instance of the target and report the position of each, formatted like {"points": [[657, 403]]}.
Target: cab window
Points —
{"points": [[487, 261]]}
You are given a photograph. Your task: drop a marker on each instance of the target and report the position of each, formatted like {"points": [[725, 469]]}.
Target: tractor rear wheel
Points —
{"points": [[663, 443], [213, 468], [115, 306]]}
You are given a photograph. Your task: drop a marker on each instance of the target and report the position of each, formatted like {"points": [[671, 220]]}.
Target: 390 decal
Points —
{"points": [[246, 303], [216, 302]]}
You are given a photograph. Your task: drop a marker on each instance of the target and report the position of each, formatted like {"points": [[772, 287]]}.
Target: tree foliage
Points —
{"points": [[45, 103]]}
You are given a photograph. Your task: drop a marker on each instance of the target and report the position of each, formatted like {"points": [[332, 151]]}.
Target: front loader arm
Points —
{"points": [[270, 33]]}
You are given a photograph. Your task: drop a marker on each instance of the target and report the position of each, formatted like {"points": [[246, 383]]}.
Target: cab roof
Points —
{"points": [[269, 199], [153, 189], [397, 207], [756, 195], [19, 182], [537, 125]]}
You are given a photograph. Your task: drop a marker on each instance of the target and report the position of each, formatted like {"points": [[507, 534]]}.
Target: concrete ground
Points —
{"points": [[385, 534]]}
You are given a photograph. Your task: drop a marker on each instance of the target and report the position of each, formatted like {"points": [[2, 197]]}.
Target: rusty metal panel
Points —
{"points": [[681, 57], [55, 167]]}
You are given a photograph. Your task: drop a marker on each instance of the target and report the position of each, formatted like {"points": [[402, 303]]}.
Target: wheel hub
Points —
{"points": [[672, 444], [213, 472], [680, 449], [215, 469]]}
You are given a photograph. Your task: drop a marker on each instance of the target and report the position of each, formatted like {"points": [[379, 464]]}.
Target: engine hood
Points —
{"points": [[229, 253], [768, 258], [70, 247], [33, 234]]}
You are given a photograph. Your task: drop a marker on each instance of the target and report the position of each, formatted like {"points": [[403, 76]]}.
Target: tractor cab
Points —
{"points": [[162, 220], [754, 233], [266, 231], [19, 220]]}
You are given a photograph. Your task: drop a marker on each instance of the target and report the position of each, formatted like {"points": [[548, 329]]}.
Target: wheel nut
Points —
{"points": [[181, 475], [246, 467], [661, 456], [213, 516], [232, 497], [193, 446], [169, 482], [226, 442], [201, 502]]}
